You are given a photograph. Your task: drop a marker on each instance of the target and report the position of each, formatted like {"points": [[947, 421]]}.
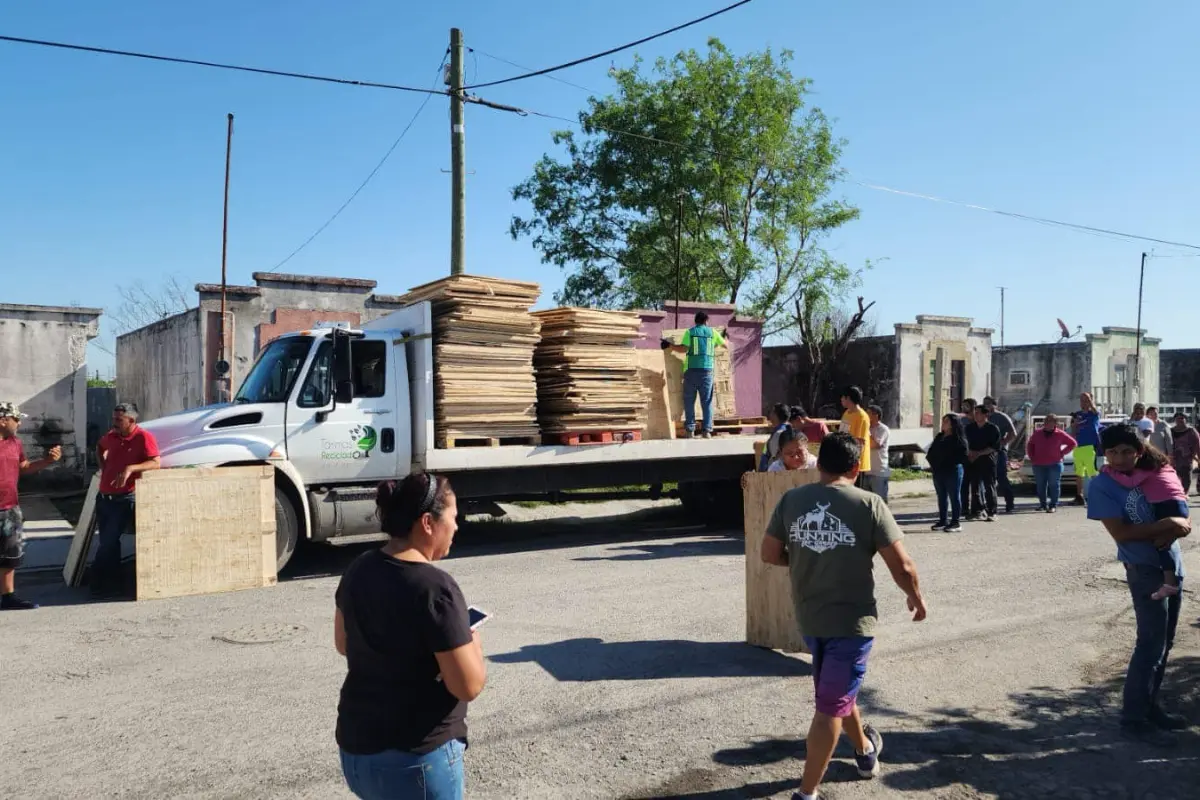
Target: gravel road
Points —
{"points": [[616, 671]]}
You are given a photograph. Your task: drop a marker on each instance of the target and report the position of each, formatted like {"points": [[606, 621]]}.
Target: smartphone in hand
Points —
{"points": [[477, 616]]}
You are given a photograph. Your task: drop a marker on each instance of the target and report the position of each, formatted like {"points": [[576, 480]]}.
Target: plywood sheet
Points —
{"points": [[652, 370], [81, 542], [202, 530], [770, 614], [724, 401]]}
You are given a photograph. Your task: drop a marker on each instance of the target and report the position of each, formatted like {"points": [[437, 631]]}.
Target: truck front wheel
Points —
{"points": [[716, 503], [287, 528]]}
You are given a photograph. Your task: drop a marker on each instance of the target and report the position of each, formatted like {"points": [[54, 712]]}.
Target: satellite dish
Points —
{"points": [[222, 367]]}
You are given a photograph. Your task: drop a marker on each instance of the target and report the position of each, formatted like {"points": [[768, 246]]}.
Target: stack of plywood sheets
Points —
{"points": [[484, 336], [587, 372]]}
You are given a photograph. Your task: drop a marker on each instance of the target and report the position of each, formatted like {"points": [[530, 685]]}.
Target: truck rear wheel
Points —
{"points": [[716, 503], [287, 528]]}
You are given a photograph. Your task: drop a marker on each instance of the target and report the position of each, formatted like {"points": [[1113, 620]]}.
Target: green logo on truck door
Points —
{"points": [[359, 443]]}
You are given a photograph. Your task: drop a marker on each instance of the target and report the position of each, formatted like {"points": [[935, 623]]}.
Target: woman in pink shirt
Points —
{"points": [[1046, 448]]}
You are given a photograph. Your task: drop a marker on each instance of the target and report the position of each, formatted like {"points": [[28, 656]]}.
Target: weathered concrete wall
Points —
{"points": [[1112, 350], [869, 363], [43, 353], [745, 336], [916, 349], [158, 366], [1053, 375], [1179, 375]]}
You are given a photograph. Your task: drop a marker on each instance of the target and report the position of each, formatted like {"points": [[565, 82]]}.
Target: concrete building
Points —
{"points": [[1052, 376], [745, 337], [43, 350], [172, 364], [897, 371]]}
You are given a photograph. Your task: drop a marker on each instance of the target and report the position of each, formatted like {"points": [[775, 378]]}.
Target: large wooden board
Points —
{"points": [[652, 369], [770, 613], [724, 401], [202, 530], [81, 542]]}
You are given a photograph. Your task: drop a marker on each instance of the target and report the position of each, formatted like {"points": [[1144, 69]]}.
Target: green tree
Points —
{"points": [[712, 152]]}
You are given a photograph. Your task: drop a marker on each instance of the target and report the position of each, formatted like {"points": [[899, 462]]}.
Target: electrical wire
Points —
{"points": [[527, 69], [216, 65], [612, 50], [1088, 229], [366, 180]]}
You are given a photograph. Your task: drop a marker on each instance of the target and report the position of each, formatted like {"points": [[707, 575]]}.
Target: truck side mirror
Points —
{"points": [[343, 383], [344, 392]]}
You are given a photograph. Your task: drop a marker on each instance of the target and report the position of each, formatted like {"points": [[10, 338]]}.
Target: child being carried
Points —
{"points": [[1164, 492]]}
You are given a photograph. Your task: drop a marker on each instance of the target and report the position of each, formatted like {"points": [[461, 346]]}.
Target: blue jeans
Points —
{"points": [[876, 484], [400, 775], [1003, 486], [114, 517], [948, 485], [1156, 622], [697, 382], [1049, 483]]}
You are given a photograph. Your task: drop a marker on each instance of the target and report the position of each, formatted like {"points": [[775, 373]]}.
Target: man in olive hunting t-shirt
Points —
{"points": [[827, 534]]}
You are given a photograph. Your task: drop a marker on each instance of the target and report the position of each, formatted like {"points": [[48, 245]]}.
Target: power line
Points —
{"points": [[1088, 229], [366, 180], [216, 65], [611, 51], [1026, 217], [522, 66]]}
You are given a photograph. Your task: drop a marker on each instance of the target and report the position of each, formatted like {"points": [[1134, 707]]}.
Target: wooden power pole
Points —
{"points": [[458, 160]]}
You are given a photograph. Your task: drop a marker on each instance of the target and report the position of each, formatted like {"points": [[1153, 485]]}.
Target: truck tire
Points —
{"points": [[716, 503], [287, 528]]}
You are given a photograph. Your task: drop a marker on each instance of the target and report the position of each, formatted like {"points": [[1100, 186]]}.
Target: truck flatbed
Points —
{"points": [[517, 456]]}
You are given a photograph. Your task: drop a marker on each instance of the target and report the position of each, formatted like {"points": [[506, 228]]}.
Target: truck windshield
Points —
{"points": [[273, 374]]}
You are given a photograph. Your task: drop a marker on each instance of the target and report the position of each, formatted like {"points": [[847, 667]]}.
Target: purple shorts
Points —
{"points": [[839, 666]]}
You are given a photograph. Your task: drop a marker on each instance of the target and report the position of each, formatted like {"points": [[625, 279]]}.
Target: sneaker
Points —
{"points": [[1010, 508], [1052, 510], [1042, 507], [989, 517], [937, 526], [973, 517], [868, 765], [1148, 733], [706, 435], [1079, 501], [1166, 721], [689, 434], [10, 602], [954, 527]]}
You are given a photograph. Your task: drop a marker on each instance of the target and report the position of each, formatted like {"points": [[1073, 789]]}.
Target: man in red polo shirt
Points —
{"points": [[13, 464], [124, 452]]}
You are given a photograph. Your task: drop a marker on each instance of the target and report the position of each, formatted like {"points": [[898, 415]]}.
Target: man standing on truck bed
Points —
{"points": [[699, 343], [124, 452], [13, 464]]}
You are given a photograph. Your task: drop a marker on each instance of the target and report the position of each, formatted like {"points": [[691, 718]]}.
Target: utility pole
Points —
{"points": [[678, 245], [1002, 288], [458, 159], [222, 365], [1137, 348]]}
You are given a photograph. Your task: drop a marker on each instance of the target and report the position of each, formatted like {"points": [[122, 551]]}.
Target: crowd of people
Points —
{"points": [[796, 435]]}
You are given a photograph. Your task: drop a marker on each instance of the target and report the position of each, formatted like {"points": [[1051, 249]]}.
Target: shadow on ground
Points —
{"points": [[598, 660], [709, 546], [1053, 744]]}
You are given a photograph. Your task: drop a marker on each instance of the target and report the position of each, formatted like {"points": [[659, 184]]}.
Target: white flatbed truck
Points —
{"points": [[335, 411]]}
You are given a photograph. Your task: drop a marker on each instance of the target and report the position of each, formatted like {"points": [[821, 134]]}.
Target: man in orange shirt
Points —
{"points": [[124, 452], [857, 423]]}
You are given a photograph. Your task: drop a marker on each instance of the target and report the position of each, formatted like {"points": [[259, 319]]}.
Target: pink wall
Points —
{"points": [[745, 334]]}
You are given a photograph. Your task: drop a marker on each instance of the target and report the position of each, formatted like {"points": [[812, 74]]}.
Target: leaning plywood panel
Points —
{"points": [[204, 530], [652, 369], [81, 543], [770, 614]]}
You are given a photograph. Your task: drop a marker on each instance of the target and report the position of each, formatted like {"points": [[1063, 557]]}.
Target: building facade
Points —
{"points": [[898, 372], [1050, 377], [173, 364], [43, 350]]}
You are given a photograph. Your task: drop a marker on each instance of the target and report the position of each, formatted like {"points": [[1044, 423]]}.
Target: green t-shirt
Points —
{"points": [[701, 342], [832, 534]]}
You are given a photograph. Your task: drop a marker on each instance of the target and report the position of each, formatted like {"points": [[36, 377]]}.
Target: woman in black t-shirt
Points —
{"points": [[414, 662]]}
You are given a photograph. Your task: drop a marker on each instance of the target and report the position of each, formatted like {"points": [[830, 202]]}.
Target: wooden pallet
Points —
{"points": [[452, 442], [592, 437], [735, 425]]}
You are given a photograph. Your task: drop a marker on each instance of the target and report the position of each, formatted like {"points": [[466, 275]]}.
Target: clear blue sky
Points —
{"points": [[1082, 110]]}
